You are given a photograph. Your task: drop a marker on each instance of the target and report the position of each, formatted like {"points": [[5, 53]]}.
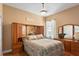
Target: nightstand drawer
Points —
{"points": [[17, 48], [75, 48]]}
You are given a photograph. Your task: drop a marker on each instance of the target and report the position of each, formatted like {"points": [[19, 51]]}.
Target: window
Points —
{"points": [[51, 29]]}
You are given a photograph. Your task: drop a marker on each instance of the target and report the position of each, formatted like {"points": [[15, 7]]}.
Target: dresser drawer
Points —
{"points": [[75, 52], [67, 46], [74, 45], [75, 48]]}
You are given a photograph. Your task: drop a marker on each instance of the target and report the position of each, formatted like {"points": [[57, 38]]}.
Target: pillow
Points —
{"points": [[34, 36], [31, 37], [24, 38], [39, 36]]}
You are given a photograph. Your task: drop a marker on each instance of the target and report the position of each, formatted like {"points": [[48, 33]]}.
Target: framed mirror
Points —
{"points": [[68, 31], [60, 30]]}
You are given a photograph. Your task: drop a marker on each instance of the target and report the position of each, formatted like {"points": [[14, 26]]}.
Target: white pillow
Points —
{"points": [[34, 36], [39, 36], [31, 37]]}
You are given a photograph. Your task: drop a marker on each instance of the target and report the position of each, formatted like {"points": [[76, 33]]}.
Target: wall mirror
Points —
{"points": [[68, 30], [60, 30]]}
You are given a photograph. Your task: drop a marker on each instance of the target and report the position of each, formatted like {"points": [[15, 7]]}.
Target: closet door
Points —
{"points": [[14, 33], [41, 30], [19, 30], [16, 38]]}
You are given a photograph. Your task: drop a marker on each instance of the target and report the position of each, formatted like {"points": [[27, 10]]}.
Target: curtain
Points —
{"points": [[51, 29]]}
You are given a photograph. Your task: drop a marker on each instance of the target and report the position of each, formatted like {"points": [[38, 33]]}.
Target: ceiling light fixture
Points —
{"points": [[43, 10]]}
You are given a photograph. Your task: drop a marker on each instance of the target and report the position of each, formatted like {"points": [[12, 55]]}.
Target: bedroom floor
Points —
{"points": [[25, 54]]}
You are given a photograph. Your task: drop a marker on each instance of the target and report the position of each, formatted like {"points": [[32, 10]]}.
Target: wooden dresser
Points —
{"points": [[71, 46]]}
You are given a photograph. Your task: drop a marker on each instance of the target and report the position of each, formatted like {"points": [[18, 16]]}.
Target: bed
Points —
{"points": [[43, 47]]}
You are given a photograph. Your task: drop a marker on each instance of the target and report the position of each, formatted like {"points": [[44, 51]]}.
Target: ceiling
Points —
{"points": [[35, 8]]}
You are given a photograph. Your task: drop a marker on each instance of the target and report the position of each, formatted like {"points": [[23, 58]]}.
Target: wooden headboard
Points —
{"points": [[68, 28], [35, 29], [21, 30]]}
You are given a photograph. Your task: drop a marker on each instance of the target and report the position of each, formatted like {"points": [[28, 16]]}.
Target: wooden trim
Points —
{"points": [[70, 24], [26, 24], [73, 31]]}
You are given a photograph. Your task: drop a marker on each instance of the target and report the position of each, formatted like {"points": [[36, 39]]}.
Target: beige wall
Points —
{"points": [[0, 29], [0, 9], [15, 15], [69, 16]]}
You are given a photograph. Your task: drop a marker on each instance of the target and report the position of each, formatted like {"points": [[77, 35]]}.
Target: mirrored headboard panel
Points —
{"points": [[32, 29]]}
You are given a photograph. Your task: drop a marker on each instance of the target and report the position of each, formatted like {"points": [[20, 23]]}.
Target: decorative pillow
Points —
{"points": [[39, 36], [31, 37], [35, 37], [24, 38]]}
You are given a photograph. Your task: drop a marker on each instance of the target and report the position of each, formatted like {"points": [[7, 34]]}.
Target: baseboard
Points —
{"points": [[7, 51]]}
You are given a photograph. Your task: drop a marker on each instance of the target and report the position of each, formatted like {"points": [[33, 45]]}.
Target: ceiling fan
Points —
{"points": [[43, 10]]}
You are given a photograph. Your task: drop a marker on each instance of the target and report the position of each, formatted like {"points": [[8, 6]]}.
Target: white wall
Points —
{"points": [[0, 29], [0, 35]]}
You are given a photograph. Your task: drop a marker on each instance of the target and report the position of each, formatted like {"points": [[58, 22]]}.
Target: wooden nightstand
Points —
{"points": [[17, 49]]}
